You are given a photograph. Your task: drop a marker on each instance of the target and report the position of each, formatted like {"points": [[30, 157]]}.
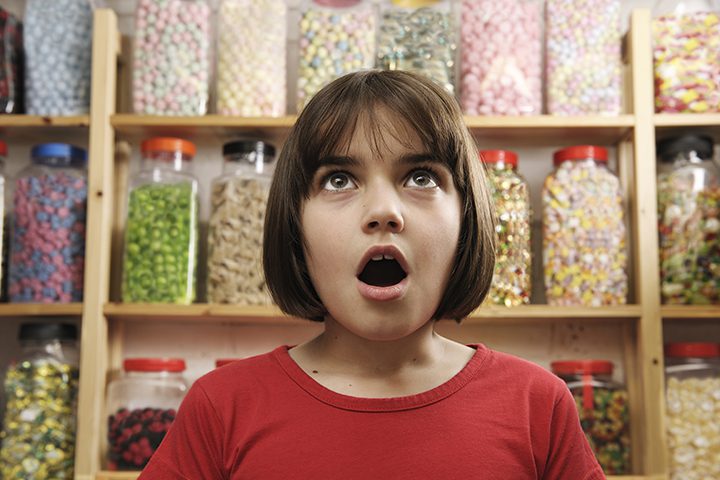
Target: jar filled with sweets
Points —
{"points": [[336, 37], [512, 279], [141, 406], [47, 249], [171, 64], [41, 387], [686, 42], [603, 408], [3, 214], [501, 48], [584, 233], [11, 63], [692, 381], [235, 232], [583, 57], [418, 36], [251, 58], [688, 189], [161, 234], [58, 54]]}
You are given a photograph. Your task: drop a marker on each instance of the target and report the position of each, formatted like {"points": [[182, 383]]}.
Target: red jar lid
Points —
{"points": [[575, 367], [3, 149], [168, 144], [154, 365], [580, 152], [224, 361], [692, 350], [497, 156]]}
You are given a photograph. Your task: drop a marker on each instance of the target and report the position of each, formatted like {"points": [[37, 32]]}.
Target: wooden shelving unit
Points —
{"points": [[39, 309], [690, 312]]}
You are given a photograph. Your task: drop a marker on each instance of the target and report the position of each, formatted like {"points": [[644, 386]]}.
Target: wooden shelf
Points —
{"points": [[40, 309], [32, 127], [669, 124], [135, 475], [203, 126], [690, 312]]}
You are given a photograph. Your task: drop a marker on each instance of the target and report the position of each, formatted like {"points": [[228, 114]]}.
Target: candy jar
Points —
{"points": [[583, 58], [38, 439], [418, 35], [161, 234], [251, 58], [171, 62], [686, 56], [584, 234], [3, 233], [47, 248], [501, 57], [58, 51], [11, 63], [603, 408], [512, 279], [235, 232], [141, 406], [692, 381], [336, 37]]}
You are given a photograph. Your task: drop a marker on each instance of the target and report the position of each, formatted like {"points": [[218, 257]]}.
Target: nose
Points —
{"points": [[383, 212]]}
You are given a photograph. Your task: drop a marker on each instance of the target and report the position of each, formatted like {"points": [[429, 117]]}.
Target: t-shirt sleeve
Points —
{"points": [[192, 447], [570, 455]]}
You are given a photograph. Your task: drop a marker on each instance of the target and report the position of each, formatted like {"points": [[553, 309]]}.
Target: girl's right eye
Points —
{"points": [[337, 182]]}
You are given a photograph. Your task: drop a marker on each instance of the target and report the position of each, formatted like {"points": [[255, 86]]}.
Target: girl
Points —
{"points": [[379, 223]]}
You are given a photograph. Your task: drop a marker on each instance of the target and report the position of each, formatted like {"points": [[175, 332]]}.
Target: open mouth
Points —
{"points": [[382, 271]]}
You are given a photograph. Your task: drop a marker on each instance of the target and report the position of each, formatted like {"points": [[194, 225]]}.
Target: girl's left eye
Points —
{"points": [[422, 179]]}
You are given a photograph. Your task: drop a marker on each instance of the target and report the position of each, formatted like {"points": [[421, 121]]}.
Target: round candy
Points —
{"points": [[133, 436]]}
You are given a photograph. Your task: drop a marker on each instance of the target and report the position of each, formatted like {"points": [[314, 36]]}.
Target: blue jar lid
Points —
{"points": [[63, 154]]}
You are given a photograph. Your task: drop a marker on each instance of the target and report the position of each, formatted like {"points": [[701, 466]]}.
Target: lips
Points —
{"points": [[382, 273]]}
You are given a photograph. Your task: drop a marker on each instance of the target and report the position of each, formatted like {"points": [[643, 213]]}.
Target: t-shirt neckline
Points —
{"points": [[362, 404]]}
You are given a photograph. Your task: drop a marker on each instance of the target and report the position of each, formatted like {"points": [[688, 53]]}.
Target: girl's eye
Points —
{"points": [[338, 181], [422, 179]]}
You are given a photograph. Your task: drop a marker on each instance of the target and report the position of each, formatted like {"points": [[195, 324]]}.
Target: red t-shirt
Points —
{"points": [[264, 418]]}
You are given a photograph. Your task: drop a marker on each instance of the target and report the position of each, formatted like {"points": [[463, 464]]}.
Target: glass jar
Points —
{"points": [[235, 231], [692, 381], [58, 51], [419, 36], [171, 62], [686, 56], [688, 189], [584, 233], [512, 279], [336, 37], [161, 234], [47, 250], [501, 57], [141, 406], [252, 58], [583, 57], [3, 216], [11, 65], [38, 439], [603, 408]]}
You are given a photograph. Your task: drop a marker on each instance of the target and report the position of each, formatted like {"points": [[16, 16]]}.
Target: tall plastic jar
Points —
{"points": [[692, 380], [252, 58], [58, 53], [141, 406], [38, 438], [602, 404], [171, 65], [688, 188], [420, 36], [686, 56], [161, 234], [336, 37], [501, 57], [235, 233], [512, 281], [584, 235], [47, 249], [583, 57], [11, 63]]}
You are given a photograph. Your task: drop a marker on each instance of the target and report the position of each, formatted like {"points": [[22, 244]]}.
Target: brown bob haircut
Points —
{"points": [[326, 125]]}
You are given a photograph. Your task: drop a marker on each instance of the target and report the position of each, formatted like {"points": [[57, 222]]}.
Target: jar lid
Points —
{"points": [[669, 148], [580, 152], [76, 155], [496, 156], [574, 367], [154, 365], [248, 146], [692, 349], [168, 144], [3, 148], [47, 331], [221, 362]]}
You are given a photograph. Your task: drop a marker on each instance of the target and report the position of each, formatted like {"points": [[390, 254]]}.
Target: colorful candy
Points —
{"points": [[133, 436], [501, 57], [171, 57], [686, 55], [583, 62], [11, 65], [58, 51]]}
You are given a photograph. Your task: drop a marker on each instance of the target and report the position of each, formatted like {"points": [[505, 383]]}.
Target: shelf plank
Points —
{"points": [[40, 309], [135, 475], [671, 124], [203, 126], [690, 312], [35, 121]]}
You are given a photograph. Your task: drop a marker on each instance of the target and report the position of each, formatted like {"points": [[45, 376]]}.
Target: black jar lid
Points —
{"points": [[47, 331], [669, 148], [249, 146]]}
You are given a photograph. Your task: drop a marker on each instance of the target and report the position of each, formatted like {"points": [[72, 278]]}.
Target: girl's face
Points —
{"points": [[381, 232]]}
